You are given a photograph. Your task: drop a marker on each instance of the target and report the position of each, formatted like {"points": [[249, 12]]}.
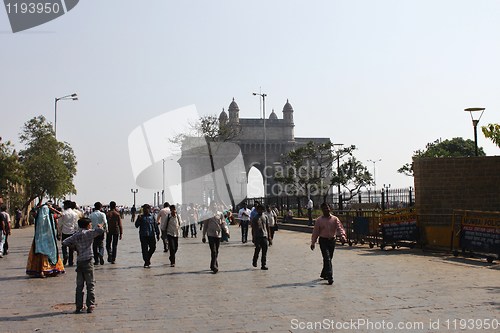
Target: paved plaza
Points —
{"points": [[398, 290]]}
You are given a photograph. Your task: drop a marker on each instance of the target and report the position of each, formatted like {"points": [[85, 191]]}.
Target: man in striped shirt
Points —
{"points": [[326, 228]]}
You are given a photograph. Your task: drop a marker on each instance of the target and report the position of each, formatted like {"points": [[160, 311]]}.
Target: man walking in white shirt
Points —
{"points": [[310, 206], [161, 219], [244, 216], [67, 225], [98, 218]]}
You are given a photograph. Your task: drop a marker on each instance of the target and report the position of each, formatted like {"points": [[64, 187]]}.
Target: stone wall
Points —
{"points": [[445, 184]]}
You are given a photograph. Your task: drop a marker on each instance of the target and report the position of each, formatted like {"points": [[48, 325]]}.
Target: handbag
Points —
{"points": [[164, 232]]}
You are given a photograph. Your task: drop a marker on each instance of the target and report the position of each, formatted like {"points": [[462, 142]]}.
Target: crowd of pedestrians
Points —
{"points": [[92, 232]]}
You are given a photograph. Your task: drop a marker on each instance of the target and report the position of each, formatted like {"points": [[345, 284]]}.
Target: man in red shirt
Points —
{"points": [[326, 228]]}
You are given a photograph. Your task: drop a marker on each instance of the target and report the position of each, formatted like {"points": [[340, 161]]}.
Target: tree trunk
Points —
{"points": [[224, 174], [25, 212], [228, 187], [216, 191]]}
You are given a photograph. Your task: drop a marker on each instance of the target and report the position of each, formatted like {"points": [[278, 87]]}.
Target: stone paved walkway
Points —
{"points": [[382, 289]]}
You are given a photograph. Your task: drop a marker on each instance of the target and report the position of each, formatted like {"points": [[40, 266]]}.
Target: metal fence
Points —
{"points": [[384, 199]]}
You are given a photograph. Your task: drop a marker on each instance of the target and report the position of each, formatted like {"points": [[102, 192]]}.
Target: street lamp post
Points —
{"points": [[163, 183], [475, 122], [134, 191], [265, 140], [72, 97], [242, 179], [374, 178], [338, 172], [386, 190]]}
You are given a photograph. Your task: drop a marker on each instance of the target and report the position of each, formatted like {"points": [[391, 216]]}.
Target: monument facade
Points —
{"points": [[279, 139]]}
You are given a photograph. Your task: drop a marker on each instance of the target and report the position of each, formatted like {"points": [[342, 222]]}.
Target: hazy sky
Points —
{"points": [[386, 76]]}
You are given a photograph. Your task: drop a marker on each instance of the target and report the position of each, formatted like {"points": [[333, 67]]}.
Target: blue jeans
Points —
{"points": [[192, 226], [98, 248], [244, 231], [148, 247], [85, 275], [327, 246], [65, 253], [2, 240]]}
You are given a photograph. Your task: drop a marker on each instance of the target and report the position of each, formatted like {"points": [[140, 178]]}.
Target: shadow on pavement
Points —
{"points": [[312, 284], [206, 271], [469, 261], [447, 257], [14, 278], [34, 316]]}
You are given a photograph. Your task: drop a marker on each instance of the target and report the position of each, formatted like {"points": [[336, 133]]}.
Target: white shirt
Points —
{"points": [[271, 218], [162, 217], [68, 222], [310, 204], [98, 217], [173, 225], [244, 217]]}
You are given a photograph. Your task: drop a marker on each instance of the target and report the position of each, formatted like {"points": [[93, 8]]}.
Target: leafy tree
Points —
{"points": [[306, 170], [310, 169], [352, 177], [10, 168], [456, 147], [49, 165], [492, 132]]}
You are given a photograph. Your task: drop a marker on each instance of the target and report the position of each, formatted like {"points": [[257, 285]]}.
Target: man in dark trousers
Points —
{"points": [[115, 231], [148, 228], [260, 236], [326, 228], [244, 216]]}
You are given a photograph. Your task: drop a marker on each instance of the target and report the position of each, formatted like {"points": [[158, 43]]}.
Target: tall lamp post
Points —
{"points": [[134, 191], [72, 97], [475, 122], [338, 172], [265, 140], [163, 183], [386, 190], [374, 178], [242, 179]]}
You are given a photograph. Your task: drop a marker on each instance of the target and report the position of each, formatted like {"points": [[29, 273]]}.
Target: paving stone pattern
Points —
{"points": [[392, 286]]}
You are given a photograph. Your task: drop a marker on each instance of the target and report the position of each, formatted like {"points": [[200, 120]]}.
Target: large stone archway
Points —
{"points": [[280, 139]]}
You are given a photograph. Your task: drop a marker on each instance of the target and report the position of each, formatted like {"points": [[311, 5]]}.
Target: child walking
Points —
{"points": [[82, 240]]}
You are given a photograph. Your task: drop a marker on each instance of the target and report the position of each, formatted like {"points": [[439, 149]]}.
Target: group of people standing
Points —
{"points": [[85, 235], [53, 224]]}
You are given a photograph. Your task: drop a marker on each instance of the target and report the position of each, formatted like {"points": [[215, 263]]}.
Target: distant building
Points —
{"points": [[280, 139]]}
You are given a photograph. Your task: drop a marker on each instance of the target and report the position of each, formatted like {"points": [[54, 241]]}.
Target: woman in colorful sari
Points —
{"points": [[44, 259]]}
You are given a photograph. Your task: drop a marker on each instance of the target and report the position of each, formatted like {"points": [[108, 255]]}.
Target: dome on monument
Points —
{"points": [[273, 115], [223, 116], [287, 107], [233, 106]]}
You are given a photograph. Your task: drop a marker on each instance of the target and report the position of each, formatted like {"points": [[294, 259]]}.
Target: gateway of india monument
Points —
{"points": [[239, 155]]}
